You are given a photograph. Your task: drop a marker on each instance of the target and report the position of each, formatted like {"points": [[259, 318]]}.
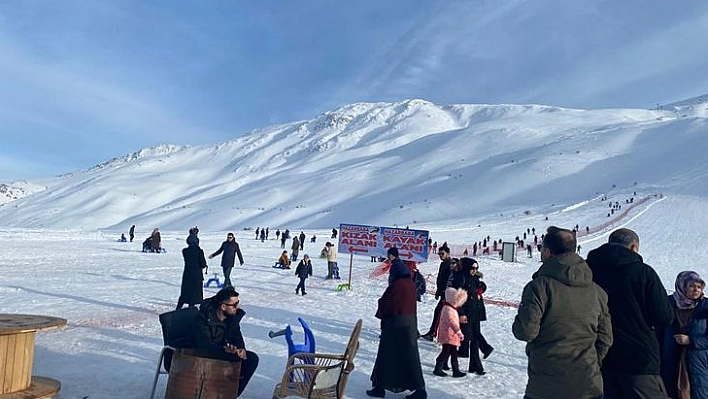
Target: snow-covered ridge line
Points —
{"points": [[403, 163]]}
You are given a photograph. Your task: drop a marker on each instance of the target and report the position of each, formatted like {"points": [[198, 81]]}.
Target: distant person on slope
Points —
{"points": [[295, 249], [284, 260], [131, 233], [230, 249], [303, 270], [156, 240], [192, 277], [331, 259]]}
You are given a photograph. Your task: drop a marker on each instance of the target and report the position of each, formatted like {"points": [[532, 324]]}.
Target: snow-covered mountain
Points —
{"points": [[405, 163], [16, 190]]}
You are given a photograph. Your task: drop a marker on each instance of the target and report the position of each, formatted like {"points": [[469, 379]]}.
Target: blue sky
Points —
{"points": [[84, 81]]}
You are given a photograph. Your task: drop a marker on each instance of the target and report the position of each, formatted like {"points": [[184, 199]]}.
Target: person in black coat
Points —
{"points": [[468, 277], [440, 286], [397, 366], [303, 270], [131, 233], [217, 333], [192, 277], [638, 307], [230, 249], [302, 240]]}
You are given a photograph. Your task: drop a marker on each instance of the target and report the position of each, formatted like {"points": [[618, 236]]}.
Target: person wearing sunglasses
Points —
{"points": [[230, 249], [468, 277], [440, 286], [217, 333]]}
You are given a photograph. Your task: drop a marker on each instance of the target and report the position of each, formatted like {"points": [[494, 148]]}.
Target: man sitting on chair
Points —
{"points": [[217, 333]]}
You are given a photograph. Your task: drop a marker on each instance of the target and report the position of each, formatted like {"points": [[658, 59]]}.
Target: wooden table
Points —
{"points": [[17, 333]]}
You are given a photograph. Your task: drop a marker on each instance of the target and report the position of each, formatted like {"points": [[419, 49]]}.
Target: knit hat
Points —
{"points": [[393, 251]]}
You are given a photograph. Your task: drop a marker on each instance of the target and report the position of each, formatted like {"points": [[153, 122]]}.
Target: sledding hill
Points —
{"points": [[386, 163]]}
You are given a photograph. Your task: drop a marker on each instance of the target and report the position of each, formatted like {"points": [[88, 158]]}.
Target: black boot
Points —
{"points": [[456, 369], [418, 394], [427, 337], [439, 369], [445, 366]]}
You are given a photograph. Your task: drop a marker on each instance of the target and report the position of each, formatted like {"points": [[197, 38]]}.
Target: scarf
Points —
{"points": [[682, 281]]}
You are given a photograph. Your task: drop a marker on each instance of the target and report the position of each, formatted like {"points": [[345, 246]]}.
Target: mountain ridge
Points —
{"points": [[382, 163]]}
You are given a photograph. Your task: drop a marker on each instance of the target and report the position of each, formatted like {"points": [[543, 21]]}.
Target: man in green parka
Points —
{"points": [[564, 319]]}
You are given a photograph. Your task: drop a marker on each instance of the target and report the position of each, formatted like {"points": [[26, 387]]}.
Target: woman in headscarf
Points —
{"points": [[192, 277], [466, 275], [684, 355], [397, 366]]}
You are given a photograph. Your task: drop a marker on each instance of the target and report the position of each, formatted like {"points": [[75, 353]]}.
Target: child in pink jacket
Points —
{"points": [[449, 333]]}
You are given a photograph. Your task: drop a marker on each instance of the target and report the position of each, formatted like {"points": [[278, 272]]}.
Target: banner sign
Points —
{"points": [[376, 240]]}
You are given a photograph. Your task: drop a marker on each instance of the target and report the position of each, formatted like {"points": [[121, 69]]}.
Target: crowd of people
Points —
{"points": [[604, 327], [600, 327]]}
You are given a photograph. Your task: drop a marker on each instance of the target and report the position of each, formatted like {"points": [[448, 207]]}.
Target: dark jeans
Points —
{"points": [[227, 276], [633, 386], [436, 317], [301, 286], [330, 269]]}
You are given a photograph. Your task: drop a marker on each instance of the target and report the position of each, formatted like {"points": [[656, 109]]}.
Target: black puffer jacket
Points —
{"points": [[637, 302], [212, 334]]}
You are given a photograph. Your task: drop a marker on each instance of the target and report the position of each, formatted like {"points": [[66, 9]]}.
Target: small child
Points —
{"points": [[449, 333], [303, 270]]}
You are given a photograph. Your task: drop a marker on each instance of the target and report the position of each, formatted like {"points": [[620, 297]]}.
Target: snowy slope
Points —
{"points": [[411, 162]]}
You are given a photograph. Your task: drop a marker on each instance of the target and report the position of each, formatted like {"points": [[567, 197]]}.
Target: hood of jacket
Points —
{"points": [[569, 268], [455, 297], [613, 255], [398, 270]]}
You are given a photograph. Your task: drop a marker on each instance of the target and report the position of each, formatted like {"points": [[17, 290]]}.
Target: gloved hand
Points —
{"points": [[460, 335]]}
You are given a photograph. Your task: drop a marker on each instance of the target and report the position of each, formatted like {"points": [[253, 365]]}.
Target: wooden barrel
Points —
{"points": [[193, 377]]}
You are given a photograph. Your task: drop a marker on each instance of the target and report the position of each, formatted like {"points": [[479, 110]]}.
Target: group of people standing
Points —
{"points": [[456, 324], [604, 327], [460, 329]]}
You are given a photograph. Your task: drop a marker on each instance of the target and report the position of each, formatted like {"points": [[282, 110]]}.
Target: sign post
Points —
{"points": [[357, 239]]}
